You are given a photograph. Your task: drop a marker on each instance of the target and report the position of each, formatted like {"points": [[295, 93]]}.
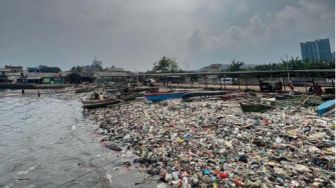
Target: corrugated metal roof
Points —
{"points": [[113, 74], [34, 78], [42, 74], [4, 70], [240, 72]]}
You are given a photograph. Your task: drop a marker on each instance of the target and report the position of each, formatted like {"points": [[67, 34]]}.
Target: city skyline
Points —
{"points": [[316, 50], [134, 35]]}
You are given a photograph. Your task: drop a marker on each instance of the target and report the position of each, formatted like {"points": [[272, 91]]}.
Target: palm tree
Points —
{"points": [[235, 65]]}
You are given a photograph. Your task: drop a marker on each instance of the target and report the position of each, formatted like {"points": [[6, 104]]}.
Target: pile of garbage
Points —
{"points": [[215, 144]]}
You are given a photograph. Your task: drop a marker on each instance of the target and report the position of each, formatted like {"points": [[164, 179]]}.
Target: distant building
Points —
{"points": [[11, 73], [316, 50], [97, 63], [42, 78], [4, 71], [214, 68], [14, 76], [113, 74], [33, 69], [3, 75], [90, 70], [14, 68], [333, 56]]}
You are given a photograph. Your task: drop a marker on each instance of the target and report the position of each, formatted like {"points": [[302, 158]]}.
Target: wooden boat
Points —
{"points": [[254, 107], [161, 96], [99, 103], [233, 96], [128, 96], [323, 108]]}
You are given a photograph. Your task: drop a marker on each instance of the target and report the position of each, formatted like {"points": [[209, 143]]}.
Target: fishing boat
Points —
{"points": [[254, 107], [325, 107], [161, 96], [99, 103]]}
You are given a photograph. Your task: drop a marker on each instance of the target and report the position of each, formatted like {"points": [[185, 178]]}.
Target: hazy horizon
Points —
{"points": [[135, 34]]}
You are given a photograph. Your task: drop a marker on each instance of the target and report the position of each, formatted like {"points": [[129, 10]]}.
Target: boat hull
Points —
{"points": [[99, 104], [254, 107], [200, 94], [156, 97], [325, 107]]}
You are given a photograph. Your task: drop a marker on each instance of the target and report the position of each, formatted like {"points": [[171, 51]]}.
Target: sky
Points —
{"points": [[134, 34]]}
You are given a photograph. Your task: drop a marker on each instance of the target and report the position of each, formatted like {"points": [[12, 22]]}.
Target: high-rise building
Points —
{"points": [[316, 50], [97, 63]]}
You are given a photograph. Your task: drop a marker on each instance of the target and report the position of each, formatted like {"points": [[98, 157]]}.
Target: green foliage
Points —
{"points": [[235, 65], [44, 68], [165, 65], [77, 69], [73, 78], [295, 64], [195, 77]]}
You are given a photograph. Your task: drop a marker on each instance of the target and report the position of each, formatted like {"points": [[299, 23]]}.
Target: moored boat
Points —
{"points": [[254, 107], [127, 96], [325, 107], [202, 94], [99, 103], [232, 96], [161, 96]]}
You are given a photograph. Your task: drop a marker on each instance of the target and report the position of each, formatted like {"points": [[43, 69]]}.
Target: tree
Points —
{"points": [[44, 68], [76, 69], [73, 78], [165, 65], [235, 65]]}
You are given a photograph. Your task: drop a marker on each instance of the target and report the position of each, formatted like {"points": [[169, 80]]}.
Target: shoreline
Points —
{"points": [[212, 143]]}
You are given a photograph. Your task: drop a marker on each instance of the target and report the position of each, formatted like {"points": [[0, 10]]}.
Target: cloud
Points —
{"points": [[306, 20], [242, 7], [195, 42], [135, 34]]}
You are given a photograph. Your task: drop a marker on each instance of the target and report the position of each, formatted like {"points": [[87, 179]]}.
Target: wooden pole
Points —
{"points": [[220, 83], [284, 84], [238, 83], [333, 83], [224, 82]]}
